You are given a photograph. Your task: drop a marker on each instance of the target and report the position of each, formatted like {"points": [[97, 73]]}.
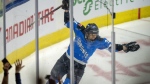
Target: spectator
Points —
{"points": [[6, 73], [40, 81], [18, 67]]}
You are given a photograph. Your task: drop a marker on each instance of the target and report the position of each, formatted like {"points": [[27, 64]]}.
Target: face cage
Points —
{"points": [[87, 35]]}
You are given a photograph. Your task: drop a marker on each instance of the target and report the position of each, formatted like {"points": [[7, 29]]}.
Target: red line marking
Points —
{"points": [[143, 42], [0, 29], [100, 72], [146, 20], [102, 53]]}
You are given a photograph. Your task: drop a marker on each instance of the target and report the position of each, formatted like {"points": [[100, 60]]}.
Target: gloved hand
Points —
{"points": [[132, 46], [66, 17], [65, 4], [80, 27]]}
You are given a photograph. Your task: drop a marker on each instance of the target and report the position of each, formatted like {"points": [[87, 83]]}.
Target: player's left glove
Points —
{"points": [[132, 46], [65, 4]]}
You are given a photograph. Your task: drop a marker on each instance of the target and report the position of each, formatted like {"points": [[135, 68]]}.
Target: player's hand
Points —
{"points": [[132, 46], [18, 65], [6, 67], [65, 4]]}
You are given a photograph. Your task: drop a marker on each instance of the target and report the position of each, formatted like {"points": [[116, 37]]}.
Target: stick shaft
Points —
{"points": [[47, 14], [52, 11]]}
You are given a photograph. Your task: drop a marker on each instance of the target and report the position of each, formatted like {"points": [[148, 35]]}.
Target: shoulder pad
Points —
{"points": [[99, 38]]}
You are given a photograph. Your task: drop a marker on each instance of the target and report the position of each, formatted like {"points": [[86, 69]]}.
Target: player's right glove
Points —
{"points": [[132, 46], [65, 4]]}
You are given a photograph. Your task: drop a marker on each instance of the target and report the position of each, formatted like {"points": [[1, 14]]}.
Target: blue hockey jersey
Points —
{"points": [[83, 49]]}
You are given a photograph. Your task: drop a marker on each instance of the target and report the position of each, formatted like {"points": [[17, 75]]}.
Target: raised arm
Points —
{"points": [[6, 67], [6, 73], [77, 26], [18, 67]]}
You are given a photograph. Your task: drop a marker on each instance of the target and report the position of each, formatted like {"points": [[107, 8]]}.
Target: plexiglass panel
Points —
{"points": [[20, 38], [133, 67], [1, 34]]}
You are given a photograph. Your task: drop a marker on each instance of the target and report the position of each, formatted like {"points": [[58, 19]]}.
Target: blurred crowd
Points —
{"points": [[18, 67]]}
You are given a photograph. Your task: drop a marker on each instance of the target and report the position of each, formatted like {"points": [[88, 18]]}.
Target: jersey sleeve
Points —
{"points": [[18, 79], [75, 26], [107, 45], [104, 44], [119, 47]]}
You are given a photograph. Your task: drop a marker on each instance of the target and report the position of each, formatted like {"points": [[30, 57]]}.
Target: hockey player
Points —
{"points": [[86, 41]]}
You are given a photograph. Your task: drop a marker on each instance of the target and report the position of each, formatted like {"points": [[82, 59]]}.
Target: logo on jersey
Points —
{"points": [[79, 43]]}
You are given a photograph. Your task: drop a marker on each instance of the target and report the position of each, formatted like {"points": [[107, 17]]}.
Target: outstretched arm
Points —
{"points": [[132, 46]]}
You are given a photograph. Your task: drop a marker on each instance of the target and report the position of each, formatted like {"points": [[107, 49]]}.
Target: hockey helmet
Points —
{"points": [[92, 28]]}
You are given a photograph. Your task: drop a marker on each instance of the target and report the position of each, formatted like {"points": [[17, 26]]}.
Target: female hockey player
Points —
{"points": [[86, 41]]}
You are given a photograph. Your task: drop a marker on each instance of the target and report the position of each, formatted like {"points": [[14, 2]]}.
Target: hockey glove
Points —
{"points": [[65, 4], [66, 17], [132, 46], [80, 27]]}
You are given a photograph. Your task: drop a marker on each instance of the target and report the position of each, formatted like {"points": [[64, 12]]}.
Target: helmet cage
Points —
{"points": [[91, 28]]}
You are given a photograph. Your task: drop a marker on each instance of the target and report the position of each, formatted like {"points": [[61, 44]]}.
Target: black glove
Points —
{"points": [[80, 27], [66, 17], [132, 46], [65, 4]]}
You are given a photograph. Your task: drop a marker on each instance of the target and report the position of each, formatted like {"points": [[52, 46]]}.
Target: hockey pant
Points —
{"points": [[62, 67]]}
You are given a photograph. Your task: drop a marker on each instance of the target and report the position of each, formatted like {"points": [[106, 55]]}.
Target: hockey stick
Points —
{"points": [[105, 5], [47, 14]]}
